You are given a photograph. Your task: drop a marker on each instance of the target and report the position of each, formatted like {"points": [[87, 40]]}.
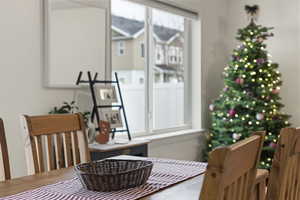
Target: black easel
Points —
{"points": [[95, 113]]}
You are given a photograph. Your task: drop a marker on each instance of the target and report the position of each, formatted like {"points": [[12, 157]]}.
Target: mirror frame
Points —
{"points": [[45, 41]]}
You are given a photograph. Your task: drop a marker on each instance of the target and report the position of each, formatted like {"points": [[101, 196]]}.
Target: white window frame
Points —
{"points": [[121, 48], [149, 50], [187, 84]]}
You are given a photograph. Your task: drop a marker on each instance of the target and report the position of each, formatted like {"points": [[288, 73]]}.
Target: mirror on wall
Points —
{"points": [[75, 40]]}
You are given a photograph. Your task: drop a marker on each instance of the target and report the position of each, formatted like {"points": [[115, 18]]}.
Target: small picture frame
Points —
{"points": [[113, 117], [107, 94]]}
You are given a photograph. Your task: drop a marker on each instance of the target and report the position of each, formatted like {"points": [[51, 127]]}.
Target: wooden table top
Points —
{"points": [[189, 189]]}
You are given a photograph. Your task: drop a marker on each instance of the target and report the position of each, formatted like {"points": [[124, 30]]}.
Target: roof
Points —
{"points": [[163, 33], [132, 27], [165, 68]]}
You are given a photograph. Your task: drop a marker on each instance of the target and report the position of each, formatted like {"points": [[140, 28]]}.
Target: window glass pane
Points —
{"points": [[168, 69], [128, 59]]}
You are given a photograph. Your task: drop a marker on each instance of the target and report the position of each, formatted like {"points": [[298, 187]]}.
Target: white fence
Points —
{"points": [[168, 108]]}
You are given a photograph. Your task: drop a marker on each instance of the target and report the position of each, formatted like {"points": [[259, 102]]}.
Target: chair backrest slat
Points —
{"points": [[284, 182], [59, 152], [4, 159], [50, 152], [76, 152], [68, 149], [55, 142], [40, 153], [231, 170]]}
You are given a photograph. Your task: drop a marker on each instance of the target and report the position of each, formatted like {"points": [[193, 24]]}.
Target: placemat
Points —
{"points": [[165, 173]]}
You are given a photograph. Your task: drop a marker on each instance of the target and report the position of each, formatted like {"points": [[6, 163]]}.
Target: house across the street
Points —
{"points": [[128, 51]]}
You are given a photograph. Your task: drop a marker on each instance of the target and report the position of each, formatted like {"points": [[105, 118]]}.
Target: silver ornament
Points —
{"points": [[236, 136]]}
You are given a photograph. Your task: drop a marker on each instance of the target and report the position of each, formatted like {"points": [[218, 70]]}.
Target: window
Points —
{"points": [[142, 80], [130, 66], [158, 57], [159, 54], [169, 94], [121, 48], [142, 50], [155, 88], [121, 80]]}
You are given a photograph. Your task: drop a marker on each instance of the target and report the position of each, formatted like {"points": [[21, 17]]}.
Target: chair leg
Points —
{"points": [[262, 190], [259, 191]]}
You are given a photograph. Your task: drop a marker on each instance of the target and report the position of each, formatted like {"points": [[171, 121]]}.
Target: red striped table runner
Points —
{"points": [[165, 173]]}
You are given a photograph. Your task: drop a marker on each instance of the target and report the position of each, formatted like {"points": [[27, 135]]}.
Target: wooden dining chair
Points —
{"points": [[55, 141], [231, 170], [4, 160], [284, 182], [260, 184]]}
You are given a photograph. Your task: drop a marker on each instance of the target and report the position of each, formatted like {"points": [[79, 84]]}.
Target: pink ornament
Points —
{"points": [[211, 107], [239, 81], [260, 116], [225, 89], [273, 145], [275, 91], [231, 112], [260, 61]]}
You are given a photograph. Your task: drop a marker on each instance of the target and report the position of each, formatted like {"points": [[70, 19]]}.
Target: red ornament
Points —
{"points": [[231, 112], [239, 81], [273, 145]]}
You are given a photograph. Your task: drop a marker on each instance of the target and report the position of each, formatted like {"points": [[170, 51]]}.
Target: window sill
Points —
{"points": [[162, 136]]}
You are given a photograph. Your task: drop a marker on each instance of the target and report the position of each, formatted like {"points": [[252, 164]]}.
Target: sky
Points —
{"points": [[135, 11]]}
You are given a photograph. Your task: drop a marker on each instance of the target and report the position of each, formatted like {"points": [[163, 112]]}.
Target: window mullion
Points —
{"points": [[187, 72], [149, 72]]}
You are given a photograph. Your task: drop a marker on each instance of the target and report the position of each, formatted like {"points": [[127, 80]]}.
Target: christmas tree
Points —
{"points": [[250, 100]]}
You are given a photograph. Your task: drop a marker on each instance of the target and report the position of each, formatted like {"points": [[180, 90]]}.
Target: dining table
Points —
{"points": [[188, 189]]}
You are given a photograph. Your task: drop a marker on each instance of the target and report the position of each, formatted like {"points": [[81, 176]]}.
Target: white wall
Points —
{"points": [[21, 72], [169, 147], [213, 15], [284, 47]]}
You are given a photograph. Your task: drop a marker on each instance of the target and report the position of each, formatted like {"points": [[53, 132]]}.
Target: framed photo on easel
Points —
{"points": [[113, 117], [107, 94]]}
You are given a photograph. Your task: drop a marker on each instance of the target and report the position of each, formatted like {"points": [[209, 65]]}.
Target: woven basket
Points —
{"points": [[112, 175]]}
